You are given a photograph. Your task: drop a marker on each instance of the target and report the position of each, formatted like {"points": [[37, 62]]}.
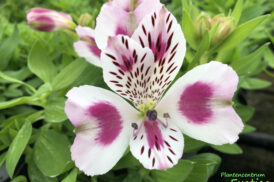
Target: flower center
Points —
{"points": [[143, 108]]}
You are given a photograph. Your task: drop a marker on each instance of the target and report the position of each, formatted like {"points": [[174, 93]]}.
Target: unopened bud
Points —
{"points": [[46, 20], [202, 24], [225, 26], [85, 19]]}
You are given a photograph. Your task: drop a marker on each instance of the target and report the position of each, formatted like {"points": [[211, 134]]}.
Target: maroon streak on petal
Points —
{"points": [[154, 135]]}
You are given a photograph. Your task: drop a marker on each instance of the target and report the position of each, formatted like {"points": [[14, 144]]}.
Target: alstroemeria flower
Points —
{"points": [[47, 20], [140, 69], [117, 17]]}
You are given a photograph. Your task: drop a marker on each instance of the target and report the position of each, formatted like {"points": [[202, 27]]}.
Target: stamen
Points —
{"points": [[134, 125], [166, 115], [152, 115]]}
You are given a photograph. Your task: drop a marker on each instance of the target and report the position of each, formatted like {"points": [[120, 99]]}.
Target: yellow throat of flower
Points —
{"points": [[148, 105]]}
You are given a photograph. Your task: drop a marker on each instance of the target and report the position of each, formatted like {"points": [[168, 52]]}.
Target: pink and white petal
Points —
{"points": [[127, 68], [146, 7], [88, 51], [102, 120], [112, 21], [85, 32], [157, 146], [163, 35], [200, 103]]}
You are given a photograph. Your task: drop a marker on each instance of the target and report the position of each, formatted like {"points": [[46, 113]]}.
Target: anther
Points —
{"points": [[166, 115], [134, 125], [152, 115]]}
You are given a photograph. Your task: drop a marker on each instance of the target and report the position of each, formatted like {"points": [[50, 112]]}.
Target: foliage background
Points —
{"points": [[37, 69]]}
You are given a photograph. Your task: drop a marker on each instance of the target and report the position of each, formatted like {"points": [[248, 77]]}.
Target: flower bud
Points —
{"points": [[225, 26], [201, 24], [46, 20], [85, 19]]}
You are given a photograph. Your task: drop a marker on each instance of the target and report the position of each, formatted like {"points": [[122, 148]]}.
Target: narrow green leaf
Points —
{"points": [[54, 110], [18, 101], [13, 80], [248, 129], [185, 5], [69, 74], [245, 112], [240, 33], [205, 43], [177, 173], [40, 64], [3, 158], [228, 148], [269, 57], [237, 11], [7, 47], [254, 83], [243, 66], [51, 153], [188, 29], [17, 147], [72, 176]]}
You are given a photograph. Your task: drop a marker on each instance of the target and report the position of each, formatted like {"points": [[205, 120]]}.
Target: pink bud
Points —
{"points": [[46, 20]]}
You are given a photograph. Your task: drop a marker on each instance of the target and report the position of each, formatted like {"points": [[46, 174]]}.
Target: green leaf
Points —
{"points": [[128, 161], [248, 129], [192, 145], [72, 176], [17, 147], [13, 80], [243, 65], [54, 110], [69, 74], [3, 157], [245, 112], [133, 176], [188, 29], [228, 148], [206, 165], [177, 173], [254, 83], [240, 33], [236, 14], [40, 64], [269, 57], [205, 43], [20, 179], [51, 153], [18, 101], [36, 175], [7, 47]]}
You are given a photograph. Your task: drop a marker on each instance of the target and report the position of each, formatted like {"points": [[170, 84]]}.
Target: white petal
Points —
{"points": [[127, 68], [117, 18], [200, 104], [157, 146], [88, 51], [163, 35], [102, 120]]}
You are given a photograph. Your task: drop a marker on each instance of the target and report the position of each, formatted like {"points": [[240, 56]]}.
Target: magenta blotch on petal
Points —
{"points": [[108, 120], [194, 102]]}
